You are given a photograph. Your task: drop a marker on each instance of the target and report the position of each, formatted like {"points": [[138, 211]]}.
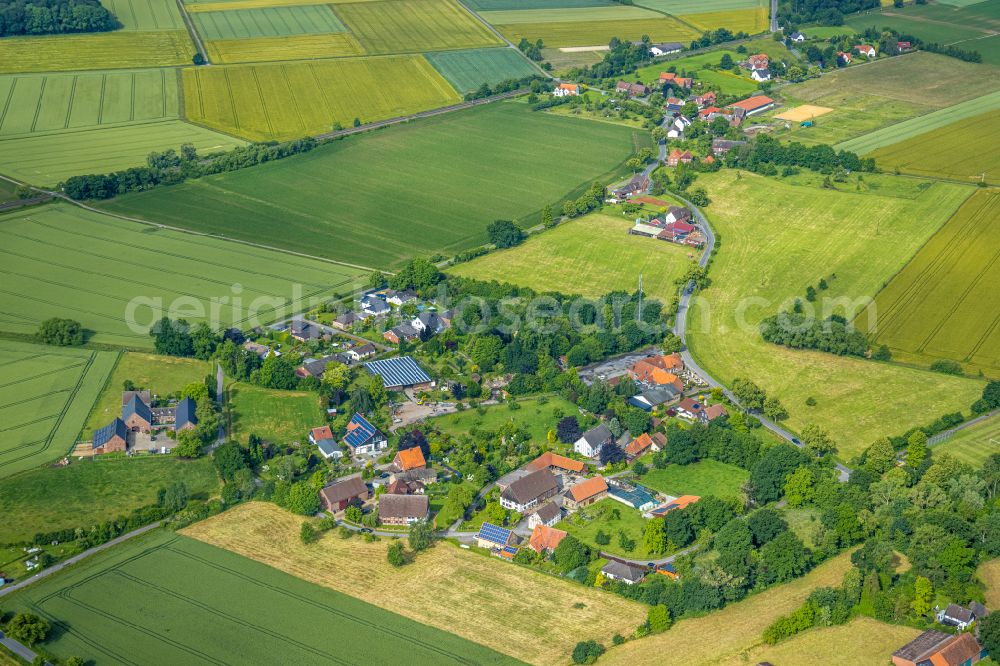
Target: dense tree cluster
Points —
{"points": [[765, 153], [504, 234], [719, 36], [823, 12], [44, 17], [622, 57], [801, 331], [61, 332], [535, 84]]}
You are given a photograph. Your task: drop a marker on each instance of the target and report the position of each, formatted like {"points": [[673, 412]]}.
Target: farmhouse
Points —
{"points": [[956, 616], [403, 509], [638, 446], [631, 89], [137, 415], [666, 48], [654, 397], [752, 105], [554, 461], [547, 515], [399, 373], [676, 214], [623, 571], [677, 157], [363, 438], [867, 50], [673, 104], [345, 321], [940, 649], [904, 46], [758, 61], [303, 331], [184, 415], [710, 113], [337, 496], [400, 297], [586, 493], [111, 438], [671, 79], [408, 459], [494, 537], [721, 147], [654, 371], [529, 491], [592, 441], [422, 475], [843, 58], [401, 333], [637, 184], [566, 90], [545, 539], [323, 438], [760, 75]]}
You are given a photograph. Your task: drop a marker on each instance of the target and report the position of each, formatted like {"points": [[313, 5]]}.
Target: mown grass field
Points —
{"points": [[528, 615], [590, 256], [881, 94], [117, 277], [274, 49], [409, 26], [707, 477], [267, 22], [989, 573], [939, 305], [468, 70], [863, 641], [93, 490], [734, 629], [281, 417], [593, 33], [915, 127], [973, 445], [162, 375], [291, 100], [146, 15], [109, 50], [536, 415], [135, 602], [772, 231], [49, 158], [964, 150], [333, 201], [45, 396]]}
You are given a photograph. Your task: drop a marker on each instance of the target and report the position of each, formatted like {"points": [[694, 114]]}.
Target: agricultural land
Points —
{"points": [[153, 272], [933, 308], [767, 223], [528, 615], [45, 396], [411, 26], [275, 416], [862, 641], [332, 200], [973, 445], [467, 70], [102, 608]]}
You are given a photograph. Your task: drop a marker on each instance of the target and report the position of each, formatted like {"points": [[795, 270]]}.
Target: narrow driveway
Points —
{"points": [[17, 648], [658, 562]]}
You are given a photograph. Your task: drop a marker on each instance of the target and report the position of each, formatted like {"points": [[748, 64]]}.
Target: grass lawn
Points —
{"points": [[163, 375], [343, 200], [276, 416], [526, 614], [734, 630], [936, 307], [118, 277], [88, 492], [780, 238], [591, 256], [862, 641], [973, 445], [538, 415], [227, 608], [707, 477], [45, 396], [586, 523], [804, 522], [989, 573]]}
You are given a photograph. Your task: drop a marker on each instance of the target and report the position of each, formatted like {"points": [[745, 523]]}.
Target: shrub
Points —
{"points": [[587, 652], [947, 367]]}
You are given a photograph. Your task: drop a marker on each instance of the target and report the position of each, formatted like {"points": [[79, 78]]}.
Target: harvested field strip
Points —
{"points": [[933, 309], [501, 5], [921, 124], [468, 70], [267, 22], [273, 49], [686, 7], [146, 15], [407, 26], [526, 614], [108, 50], [573, 33], [231, 5], [586, 15]]}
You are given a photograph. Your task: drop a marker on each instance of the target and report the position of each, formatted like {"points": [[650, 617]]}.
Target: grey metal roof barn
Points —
{"points": [[398, 372]]}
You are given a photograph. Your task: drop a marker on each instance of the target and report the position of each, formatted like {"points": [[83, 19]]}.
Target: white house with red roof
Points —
{"points": [[866, 50], [566, 90]]}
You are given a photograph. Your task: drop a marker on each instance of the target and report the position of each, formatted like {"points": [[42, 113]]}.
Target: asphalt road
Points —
{"points": [[17, 648]]}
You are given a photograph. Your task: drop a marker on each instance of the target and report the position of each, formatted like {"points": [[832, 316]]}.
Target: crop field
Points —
{"points": [[146, 15], [267, 22], [588, 33], [590, 256], [934, 308], [500, 5], [863, 642], [974, 444], [767, 222], [882, 94], [408, 26], [45, 396], [707, 477], [526, 614], [276, 416], [117, 277], [965, 150], [134, 603], [49, 158], [273, 49], [734, 630], [751, 21], [109, 50], [163, 375], [94, 490], [332, 201], [535, 415], [678, 7], [193, 6], [467, 70], [291, 100], [585, 15]]}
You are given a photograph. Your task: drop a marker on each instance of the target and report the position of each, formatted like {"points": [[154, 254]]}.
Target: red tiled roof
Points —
{"points": [[751, 103], [545, 538], [586, 489], [412, 458], [715, 411], [549, 459], [639, 444], [323, 432]]}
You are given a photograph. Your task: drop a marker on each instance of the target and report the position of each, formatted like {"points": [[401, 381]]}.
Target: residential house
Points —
{"points": [[494, 537], [363, 438], [936, 648], [566, 90], [904, 46], [760, 75], [111, 438], [715, 411], [710, 113], [677, 82], [137, 415], [673, 104], [360, 352], [345, 321], [843, 58], [422, 475], [446, 316], [659, 370], [338, 496], [585, 493], [303, 331], [623, 571], [184, 414], [704, 100], [721, 147], [956, 616], [262, 351], [399, 298], [315, 367], [638, 446], [409, 459], [399, 373], [670, 572], [374, 304], [403, 509], [691, 409], [545, 538], [631, 89], [758, 61], [752, 105], [677, 157], [529, 491], [666, 394], [592, 441], [867, 50], [659, 441], [323, 438], [547, 515], [666, 48], [637, 184], [554, 462], [677, 214], [677, 127], [428, 321], [797, 37], [401, 333]]}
